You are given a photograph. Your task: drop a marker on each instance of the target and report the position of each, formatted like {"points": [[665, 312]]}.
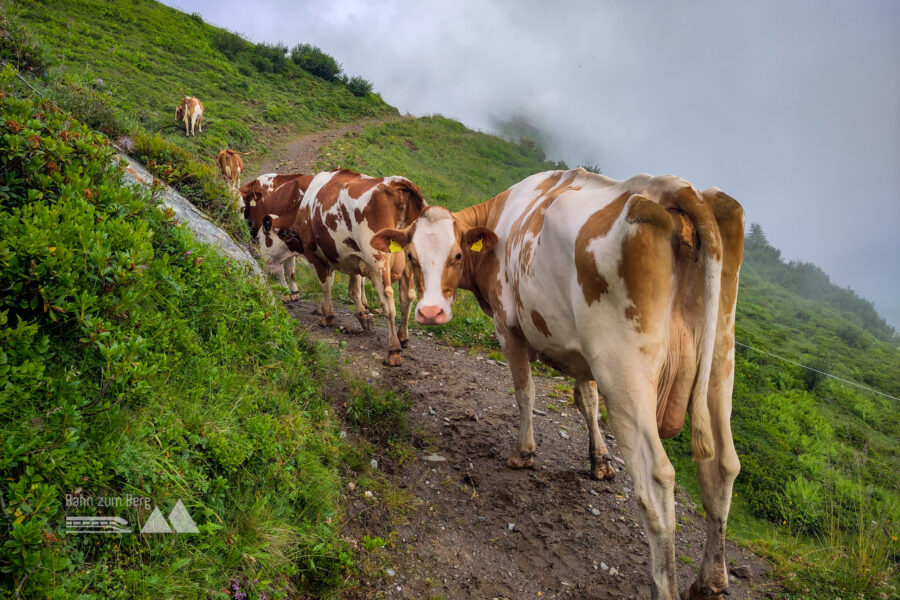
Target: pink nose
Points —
{"points": [[431, 315]]}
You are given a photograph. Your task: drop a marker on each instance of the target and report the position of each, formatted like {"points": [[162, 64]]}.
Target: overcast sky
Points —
{"points": [[793, 108]]}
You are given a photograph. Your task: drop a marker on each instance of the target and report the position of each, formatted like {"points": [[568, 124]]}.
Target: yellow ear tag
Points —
{"points": [[395, 247], [477, 246], [253, 203]]}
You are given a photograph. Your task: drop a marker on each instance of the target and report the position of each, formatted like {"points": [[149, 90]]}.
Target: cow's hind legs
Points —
{"points": [[632, 413], [716, 480], [588, 401], [516, 352]]}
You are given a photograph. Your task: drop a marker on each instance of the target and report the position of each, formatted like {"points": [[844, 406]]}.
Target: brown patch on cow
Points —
{"points": [[531, 220], [331, 221], [548, 183], [593, 284], [647, 263], [540, 323], [345, 214], [351, 243]]}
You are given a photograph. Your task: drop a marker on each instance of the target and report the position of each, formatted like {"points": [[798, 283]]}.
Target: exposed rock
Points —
{"points": [[198, 222]]}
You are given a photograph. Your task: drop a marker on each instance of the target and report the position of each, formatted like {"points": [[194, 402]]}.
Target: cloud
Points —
{"points": [[792, 108]]}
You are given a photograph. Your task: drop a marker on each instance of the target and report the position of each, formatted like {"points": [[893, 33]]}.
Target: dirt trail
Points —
{"points": [[300, 155], [481, 530]]}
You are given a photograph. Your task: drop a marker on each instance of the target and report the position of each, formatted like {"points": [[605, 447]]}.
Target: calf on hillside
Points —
{"points": [[338, 216], [190, 111], [631, 285], [231, 165]]}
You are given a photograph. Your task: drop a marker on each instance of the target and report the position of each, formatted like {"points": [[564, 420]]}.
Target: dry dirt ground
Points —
{"points": [[477, 529]]}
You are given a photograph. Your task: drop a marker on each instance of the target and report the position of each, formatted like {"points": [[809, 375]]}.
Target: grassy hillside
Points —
{"points": [[819, 486], [136, 363], [144, 57]]}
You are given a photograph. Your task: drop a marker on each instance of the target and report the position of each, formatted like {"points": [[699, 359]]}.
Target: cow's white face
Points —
{"points": [[437, 253], [435, 256]]}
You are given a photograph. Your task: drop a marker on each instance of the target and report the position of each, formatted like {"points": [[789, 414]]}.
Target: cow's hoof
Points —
{"points": [[521, 460], [404, 343], [295, 296], [285, 298], [393, 359], [326, 321], [602, 469], [699, 591]]}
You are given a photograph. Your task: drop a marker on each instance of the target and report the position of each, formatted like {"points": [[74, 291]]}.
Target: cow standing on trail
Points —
{"points": [[269, 204], [338, 216], [631, 285], [190, 111]]}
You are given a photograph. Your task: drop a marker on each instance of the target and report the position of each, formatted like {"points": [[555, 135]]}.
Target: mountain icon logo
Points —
{"points": [[180, 519]]}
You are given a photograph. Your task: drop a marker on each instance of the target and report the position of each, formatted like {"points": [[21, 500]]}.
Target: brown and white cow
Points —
{"points": [[258, 189], [190, 111], [231, 164], [631, 285], [338, 216]]}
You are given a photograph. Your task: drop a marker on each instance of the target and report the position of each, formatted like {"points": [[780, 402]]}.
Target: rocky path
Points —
{"points": [[477, 529], [300, 155]]}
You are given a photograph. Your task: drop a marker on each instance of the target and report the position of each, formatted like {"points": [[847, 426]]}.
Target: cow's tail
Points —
{"points": [[710, 252]]}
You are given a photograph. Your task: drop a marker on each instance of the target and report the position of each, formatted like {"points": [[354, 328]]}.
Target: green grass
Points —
{"points": [[144, 57], [818, 490]]}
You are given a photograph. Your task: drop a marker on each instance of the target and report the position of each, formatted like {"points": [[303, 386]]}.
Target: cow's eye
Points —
{"points": [[459, 256]]}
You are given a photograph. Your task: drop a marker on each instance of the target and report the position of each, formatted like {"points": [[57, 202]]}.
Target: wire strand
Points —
{"points": [[793, 362]]}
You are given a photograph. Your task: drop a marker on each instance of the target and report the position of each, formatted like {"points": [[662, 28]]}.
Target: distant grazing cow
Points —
{"points": [[629, 284], [338, 216], [231, 164], [190, 111]]}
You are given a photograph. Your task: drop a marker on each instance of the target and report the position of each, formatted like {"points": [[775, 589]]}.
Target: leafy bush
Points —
{"points": [[270, 58], [359, 86], [228, 43], [133, 361], [311, 59]]}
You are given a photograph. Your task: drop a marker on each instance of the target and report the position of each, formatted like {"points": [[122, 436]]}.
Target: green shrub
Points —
{"points": [[311, 59], [133, 361], [270, 58], [359, 86]]}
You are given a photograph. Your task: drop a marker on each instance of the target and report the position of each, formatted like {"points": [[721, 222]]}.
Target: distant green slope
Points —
{"points": [[144, 57], [454, 166]]}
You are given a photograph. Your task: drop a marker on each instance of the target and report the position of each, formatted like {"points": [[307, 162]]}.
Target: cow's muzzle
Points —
{"points": [[431, 315]]}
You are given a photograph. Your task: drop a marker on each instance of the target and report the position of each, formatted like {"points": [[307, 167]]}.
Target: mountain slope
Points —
{"points": [[820, 467]]}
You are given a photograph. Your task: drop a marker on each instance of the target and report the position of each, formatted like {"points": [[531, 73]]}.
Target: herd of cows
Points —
{"points": [[629, 287]]}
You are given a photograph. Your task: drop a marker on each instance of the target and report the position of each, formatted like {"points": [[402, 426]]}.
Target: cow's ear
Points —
{"points": [[479, 239], [392, 240]]}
